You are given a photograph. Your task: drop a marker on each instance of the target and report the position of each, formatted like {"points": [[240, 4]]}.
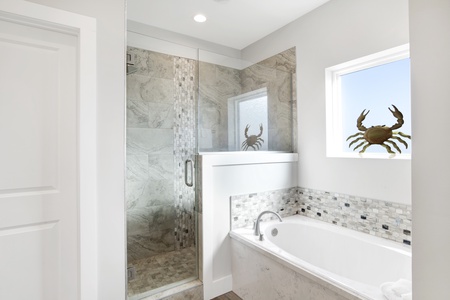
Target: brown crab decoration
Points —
{"points": [[380, 134], [253, 141]]}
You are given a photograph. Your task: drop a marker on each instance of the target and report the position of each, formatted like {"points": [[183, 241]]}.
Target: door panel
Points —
{"points": [[39, 161]]}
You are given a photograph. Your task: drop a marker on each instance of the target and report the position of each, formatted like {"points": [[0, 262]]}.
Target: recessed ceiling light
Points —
{"points": [[199, 18]]}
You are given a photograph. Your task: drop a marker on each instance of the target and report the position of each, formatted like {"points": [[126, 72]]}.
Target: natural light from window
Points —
{"points": [[374, 83]]}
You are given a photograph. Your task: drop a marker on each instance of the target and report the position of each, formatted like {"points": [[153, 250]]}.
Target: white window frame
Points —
{"points": [[334, 132], [233, 116]]}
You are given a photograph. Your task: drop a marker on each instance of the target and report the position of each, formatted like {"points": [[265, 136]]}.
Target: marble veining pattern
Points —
{"points": [[256, 276], [160, 137], [218, 84]]}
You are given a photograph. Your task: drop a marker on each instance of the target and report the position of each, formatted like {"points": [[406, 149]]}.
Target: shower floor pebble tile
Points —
{"points": [[162, 269]]}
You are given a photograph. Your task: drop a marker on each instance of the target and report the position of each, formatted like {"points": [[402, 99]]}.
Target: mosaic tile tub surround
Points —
{"points": [[379, 218]]}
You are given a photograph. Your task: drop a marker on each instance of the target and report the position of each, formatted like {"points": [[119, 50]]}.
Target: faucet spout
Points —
{"points": [[257, 231]]}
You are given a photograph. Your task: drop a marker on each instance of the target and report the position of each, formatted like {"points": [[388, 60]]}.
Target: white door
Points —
{"points": [[39, 160]]}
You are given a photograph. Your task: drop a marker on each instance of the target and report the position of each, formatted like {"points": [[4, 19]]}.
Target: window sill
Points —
{"points": [[369, 155]]}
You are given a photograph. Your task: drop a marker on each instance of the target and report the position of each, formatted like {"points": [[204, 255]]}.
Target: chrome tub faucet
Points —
{"points": [[257, 231]]}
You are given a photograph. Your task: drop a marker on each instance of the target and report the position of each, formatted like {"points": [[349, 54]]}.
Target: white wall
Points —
{"points": [[339, 31], [110, 15], [224, 175], [430, 63]]}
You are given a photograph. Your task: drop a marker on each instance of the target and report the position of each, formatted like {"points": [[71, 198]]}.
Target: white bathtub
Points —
{"points": [[351, 261]]}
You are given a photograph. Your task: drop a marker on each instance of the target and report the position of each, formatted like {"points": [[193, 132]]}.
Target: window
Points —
{"points": [[367, 89], [247, 114]]}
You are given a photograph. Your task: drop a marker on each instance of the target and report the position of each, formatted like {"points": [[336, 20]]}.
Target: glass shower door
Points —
{"points": [[161, 216]]}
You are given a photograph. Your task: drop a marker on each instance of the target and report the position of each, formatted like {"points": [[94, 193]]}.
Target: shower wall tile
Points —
{"points": [[227, 82], [160, 115], [149, 89], [147, 193], [144, 141], [137, 168], [217, 85], [160, 166], [280, 139], [153, 243], [159, 192], [160, 65], [150, 155], [256, 77], [275, 73], [284, 61], [294, 111], [376, 217], [283, 83], [137, 113], [159, 217], [152, 64], [143, 114]]}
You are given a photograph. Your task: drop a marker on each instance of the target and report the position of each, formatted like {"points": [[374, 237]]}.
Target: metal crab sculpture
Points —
{"points": [[380, 134], [254, 141]]}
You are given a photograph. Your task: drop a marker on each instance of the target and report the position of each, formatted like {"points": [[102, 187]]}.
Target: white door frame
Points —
{"points": [[85, 29]]}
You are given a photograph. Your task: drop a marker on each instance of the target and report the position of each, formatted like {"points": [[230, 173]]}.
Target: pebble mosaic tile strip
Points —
{"points": [[245, 208], [184, 148], [380, 218]]}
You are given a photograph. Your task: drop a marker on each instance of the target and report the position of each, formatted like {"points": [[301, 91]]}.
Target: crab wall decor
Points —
{"points": [[379, 134], [254, 141]]}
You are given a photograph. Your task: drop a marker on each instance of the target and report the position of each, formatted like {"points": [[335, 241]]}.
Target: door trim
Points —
{"points": [[85, 29]]}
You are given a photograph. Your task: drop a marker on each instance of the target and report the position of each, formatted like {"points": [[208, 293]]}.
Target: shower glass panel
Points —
{"points": [[246, 106], [161, 137]]}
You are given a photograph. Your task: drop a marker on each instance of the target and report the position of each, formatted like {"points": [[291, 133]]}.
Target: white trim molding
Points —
{"points": [[334, 135], [84, 28]]}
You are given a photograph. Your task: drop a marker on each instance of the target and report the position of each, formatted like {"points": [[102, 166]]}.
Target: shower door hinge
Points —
{"points": [[131, 273], [130, 58]]}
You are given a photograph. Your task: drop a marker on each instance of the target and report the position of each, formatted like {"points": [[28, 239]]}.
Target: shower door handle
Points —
{"points": [[186, 181]]}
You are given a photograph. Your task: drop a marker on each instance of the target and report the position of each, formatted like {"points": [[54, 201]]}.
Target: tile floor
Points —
{"points": [[163, 269]]}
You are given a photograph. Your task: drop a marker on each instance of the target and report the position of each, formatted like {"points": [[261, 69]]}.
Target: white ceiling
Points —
{"points": [[232, 23]]}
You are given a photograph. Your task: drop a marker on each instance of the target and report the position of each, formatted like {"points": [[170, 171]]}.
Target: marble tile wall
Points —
{"points": [[276, 73], [376, 217], [150, 159], [218, 84], [161, 103], [160, 118]]}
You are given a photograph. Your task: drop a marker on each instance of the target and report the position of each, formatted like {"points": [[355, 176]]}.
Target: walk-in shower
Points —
{"points": [[179, 105], [161, 218]]}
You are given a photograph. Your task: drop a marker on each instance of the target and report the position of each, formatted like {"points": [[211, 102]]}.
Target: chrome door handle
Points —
{"points": [[186, 181]]}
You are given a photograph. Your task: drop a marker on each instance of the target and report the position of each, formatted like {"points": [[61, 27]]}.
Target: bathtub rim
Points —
{"points": [[330, 280]]}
